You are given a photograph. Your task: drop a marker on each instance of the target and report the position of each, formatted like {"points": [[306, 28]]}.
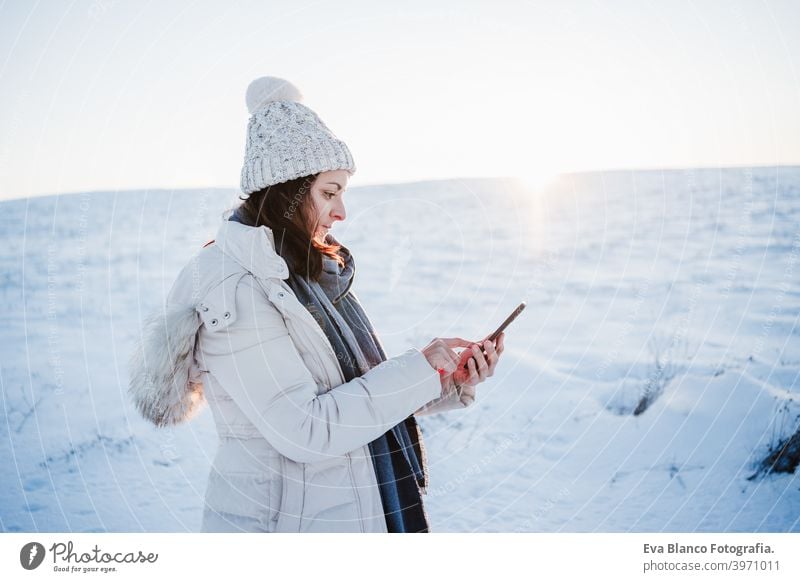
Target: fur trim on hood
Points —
{"points": [[165, 382]]}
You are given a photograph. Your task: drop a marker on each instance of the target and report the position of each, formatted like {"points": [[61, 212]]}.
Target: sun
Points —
{"points": [[537, 180]]}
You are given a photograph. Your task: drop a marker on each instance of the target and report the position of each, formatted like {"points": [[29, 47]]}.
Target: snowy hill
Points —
{"points": [[656, 364]]}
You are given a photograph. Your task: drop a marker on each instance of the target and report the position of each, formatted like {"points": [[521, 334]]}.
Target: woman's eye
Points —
{"points": [[330, 194]]}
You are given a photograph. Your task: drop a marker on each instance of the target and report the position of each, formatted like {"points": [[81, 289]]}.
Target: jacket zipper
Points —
{"points": [[292, 307], [303, 324]]}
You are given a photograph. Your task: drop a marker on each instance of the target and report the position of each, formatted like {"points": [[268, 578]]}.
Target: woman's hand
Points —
{"points": [[455, 377], [440, 354], [474, 373]]}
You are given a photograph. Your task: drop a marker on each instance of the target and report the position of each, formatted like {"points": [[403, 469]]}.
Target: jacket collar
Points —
{"points": [[253, 248]]}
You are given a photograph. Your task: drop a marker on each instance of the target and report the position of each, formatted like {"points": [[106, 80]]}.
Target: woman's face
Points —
{"points": [[327, 197]]}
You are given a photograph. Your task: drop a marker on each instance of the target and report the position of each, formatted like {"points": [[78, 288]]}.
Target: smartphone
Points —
{"points": [[499, 330]]}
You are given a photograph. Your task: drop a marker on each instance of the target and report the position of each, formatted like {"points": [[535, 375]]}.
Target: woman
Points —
{"points": [[316, 425]]}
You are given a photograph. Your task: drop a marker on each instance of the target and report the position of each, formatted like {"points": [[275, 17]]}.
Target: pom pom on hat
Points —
{"points": [[265, 90]]}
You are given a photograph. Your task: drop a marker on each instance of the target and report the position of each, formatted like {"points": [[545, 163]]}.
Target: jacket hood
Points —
{"points": [[253, 248], [165, 383]]}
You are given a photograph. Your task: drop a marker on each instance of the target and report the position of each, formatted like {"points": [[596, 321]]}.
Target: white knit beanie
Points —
{"points": [[286, 139]]}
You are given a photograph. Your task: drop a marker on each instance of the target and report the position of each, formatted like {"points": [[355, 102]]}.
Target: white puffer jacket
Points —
{"points": [[293, 436]]}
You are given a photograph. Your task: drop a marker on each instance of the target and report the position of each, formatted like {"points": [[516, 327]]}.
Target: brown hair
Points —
{"points": [[287, 209]]}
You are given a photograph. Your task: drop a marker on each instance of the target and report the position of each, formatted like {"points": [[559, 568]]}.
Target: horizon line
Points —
{"points": [[422, 180]]}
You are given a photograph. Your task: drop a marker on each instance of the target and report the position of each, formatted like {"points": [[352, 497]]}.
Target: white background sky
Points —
{"points": [[111, 94]]}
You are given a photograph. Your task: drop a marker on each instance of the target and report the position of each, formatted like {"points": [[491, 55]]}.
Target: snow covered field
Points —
{"points": [[656, 364]]}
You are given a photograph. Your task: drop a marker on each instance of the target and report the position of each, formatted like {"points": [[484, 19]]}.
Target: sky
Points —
{"points": [[117, 95]]}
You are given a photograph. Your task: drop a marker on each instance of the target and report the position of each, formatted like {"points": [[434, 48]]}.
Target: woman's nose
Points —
{"points": [[338, 212]]}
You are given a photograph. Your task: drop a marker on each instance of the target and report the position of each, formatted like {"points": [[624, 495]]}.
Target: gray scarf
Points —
{"points": [[338, 311]]}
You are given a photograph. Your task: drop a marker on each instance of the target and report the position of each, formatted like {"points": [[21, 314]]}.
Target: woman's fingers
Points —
{"points": [[440, 356], [456, 342], [482, 365], [493, 350], [478, 361], [474, 375], [444, 361], [449, 357], [491, 356], [474, 367]]}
